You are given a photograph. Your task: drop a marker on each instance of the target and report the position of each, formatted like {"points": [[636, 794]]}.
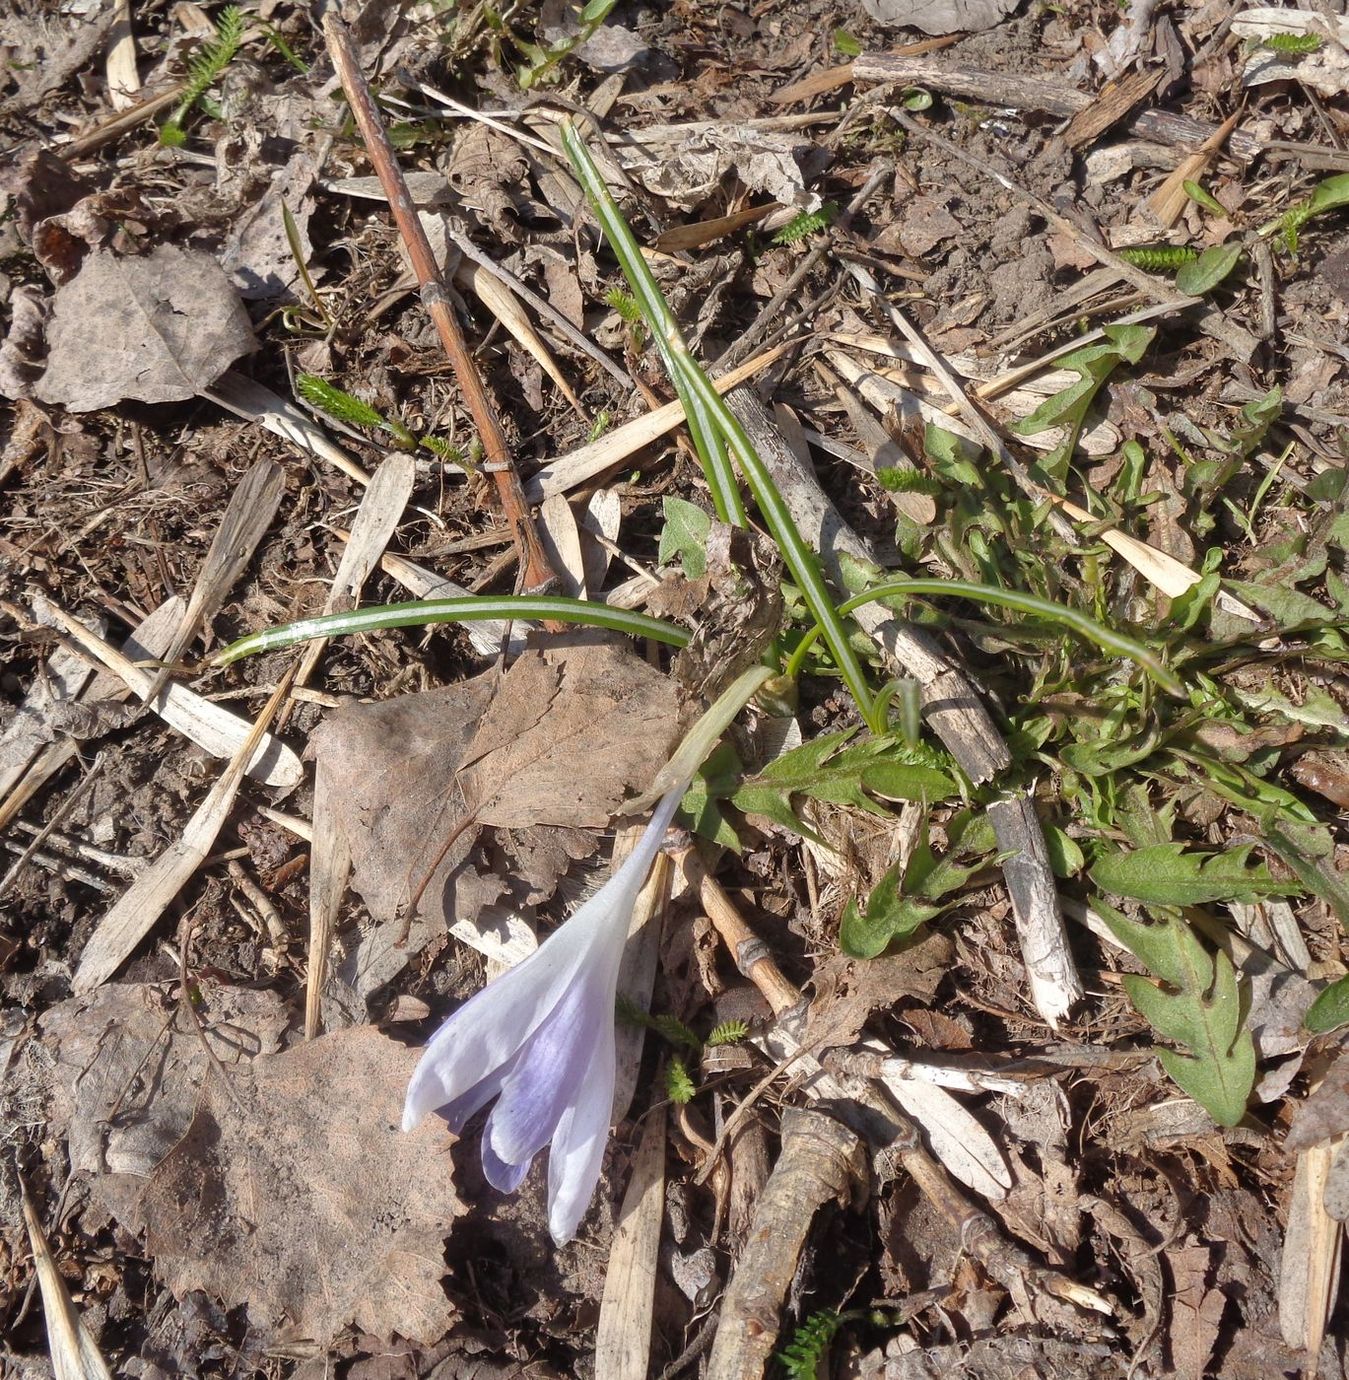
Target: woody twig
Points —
{"points": [[536, 573]]}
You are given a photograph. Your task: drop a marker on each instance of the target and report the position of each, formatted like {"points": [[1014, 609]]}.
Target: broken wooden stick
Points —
{"points": [[535, 572], [869, 1107], [821, 1160]]}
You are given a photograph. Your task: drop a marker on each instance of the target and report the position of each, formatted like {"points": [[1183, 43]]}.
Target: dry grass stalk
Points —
{"points": [[1313, 1241], [502, 303], [140, 907], [150, 638], [1170, 199], [213, 728], [120, 65], [382, 506], [586, 462], [75, 1354], [329, 868], [248, 515], [623, 1338], [257, 403]]}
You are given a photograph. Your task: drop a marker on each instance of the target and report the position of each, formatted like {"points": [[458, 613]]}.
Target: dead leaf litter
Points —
{"points": [[1046, 299]]}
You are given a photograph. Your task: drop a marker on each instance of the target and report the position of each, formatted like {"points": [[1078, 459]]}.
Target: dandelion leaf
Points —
{"points": [[827, 770], [1167, 874], [1199, 1006]]}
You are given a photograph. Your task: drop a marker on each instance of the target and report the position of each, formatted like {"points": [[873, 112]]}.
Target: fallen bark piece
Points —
{"points": [[821, 1159], [940, 16]]}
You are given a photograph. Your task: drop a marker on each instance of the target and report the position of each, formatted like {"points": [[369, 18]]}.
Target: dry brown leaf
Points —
{"points": [[847, 990], [129, 1069], [1325, 1113], [295, 1194], [608, 729], [688, 164], [391, 770], [257, 254], [552, 748], [1196, 1310], [156, 328]]}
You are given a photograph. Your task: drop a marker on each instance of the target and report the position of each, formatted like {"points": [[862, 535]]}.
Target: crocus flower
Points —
{"points": [[540, 1039]]}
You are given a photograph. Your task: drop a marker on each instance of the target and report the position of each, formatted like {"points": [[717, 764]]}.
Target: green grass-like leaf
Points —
{"points": [[469, 608], [1200, 1007], [718, 433]]}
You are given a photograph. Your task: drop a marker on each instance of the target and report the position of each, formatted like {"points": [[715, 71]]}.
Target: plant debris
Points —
{"points": [[961, 381]]}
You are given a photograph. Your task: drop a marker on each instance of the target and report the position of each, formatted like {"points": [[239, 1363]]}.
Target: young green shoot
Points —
{"points": [[206, 68], [718, 433], [470, 608]]}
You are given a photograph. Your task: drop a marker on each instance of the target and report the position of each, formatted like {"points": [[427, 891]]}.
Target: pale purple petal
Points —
{"points": [[492, 1025], [551, 1068], [504, 1177], [463, 1109], [542, 1037], [577, 1152]]}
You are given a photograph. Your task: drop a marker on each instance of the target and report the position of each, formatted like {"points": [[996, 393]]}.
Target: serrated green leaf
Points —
{"points": [[679, 1087], [1309, 851], [1209, 269], [1290, 609], [727, 1033], [1330, 1010], [930, 885], [1200, 1008], [1165, 874], [1068, 408], [825, 769], [685, 536]]}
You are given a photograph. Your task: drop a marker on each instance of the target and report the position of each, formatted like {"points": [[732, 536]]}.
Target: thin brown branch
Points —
{"points": [[536, 573]]}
